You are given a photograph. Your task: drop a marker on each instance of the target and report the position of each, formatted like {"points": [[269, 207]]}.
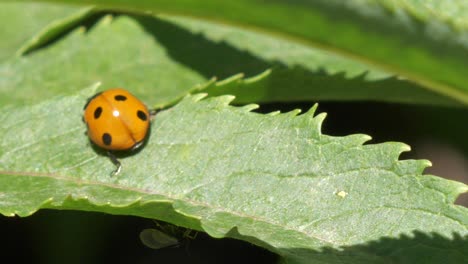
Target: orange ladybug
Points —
{"points": [[116, 121]]}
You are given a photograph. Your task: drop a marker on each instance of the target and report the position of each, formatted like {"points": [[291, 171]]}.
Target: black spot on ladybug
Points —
{"points": [[142, 115], [107, 139], [120, 97], [90, 99], [97, 112]]}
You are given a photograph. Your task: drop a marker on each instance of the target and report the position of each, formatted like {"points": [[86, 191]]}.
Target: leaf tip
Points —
{"points": [[365, 138], [426, 163], [258, 77], [250, 107], [197, 97], [202, 86], [90, 90], [227, 99], [462, 188], [107, 19], [8, 214], [230, 79], [50, 31], [274, 113], [294, 112], [313, 109], [320, 118], [405, 147]]}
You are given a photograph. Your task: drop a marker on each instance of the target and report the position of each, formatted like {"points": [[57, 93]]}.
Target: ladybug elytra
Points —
{"points": [[116, 121]]}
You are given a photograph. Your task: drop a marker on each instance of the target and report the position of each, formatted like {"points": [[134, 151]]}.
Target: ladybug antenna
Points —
{"points": [[116, 162]]}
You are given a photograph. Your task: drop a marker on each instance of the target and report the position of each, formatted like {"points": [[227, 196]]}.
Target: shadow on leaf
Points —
{"points": [[285, 83], [417, 247]]}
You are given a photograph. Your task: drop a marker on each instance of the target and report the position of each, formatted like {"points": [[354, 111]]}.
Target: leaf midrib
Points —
{"points": [[172, 198]]}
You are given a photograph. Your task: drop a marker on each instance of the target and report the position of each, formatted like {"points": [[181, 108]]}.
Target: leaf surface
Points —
{"points": [[274, 180], [22, 21], [419, 41], [158, 64]]}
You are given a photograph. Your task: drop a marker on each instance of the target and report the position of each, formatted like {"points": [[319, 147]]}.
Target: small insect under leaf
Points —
{"points": [[156, 239], [166, 235]]}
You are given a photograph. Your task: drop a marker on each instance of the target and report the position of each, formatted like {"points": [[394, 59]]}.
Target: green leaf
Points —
{"points": [[273, 180], [22, 21], [58, 28], [298, 72], [86, 57], [158, 64], [410, 38]]}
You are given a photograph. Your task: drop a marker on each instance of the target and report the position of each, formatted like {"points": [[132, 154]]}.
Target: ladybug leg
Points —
{"points": [[116, 162], [153, 112]]}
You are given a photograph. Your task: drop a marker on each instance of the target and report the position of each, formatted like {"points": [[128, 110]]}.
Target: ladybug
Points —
{"points": [[116, 121]]}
